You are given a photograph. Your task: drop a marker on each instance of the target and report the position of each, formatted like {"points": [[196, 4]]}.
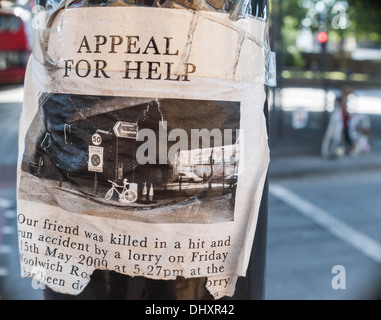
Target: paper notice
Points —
{"points": [[143, 148]]}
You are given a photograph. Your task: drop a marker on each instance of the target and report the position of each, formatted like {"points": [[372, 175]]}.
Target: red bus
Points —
{"points": [[14, 45]]}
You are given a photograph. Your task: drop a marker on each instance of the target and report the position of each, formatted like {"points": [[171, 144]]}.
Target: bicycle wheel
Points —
{"points": [[128, 196], [109, 194]]}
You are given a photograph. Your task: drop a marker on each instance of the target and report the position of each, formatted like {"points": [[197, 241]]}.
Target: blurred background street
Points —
{"points": [[324, 216]]}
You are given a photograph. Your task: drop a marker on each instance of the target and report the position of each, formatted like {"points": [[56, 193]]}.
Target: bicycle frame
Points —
{"points": [[126, 196]]}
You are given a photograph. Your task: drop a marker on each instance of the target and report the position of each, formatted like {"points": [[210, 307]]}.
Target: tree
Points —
{"points": [[339, 18], [365, 18], [361, 17]]}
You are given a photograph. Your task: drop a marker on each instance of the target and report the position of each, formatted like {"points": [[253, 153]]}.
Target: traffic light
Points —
{"points": [[322, 37]]}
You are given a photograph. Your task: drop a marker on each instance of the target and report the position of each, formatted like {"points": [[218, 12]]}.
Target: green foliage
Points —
{"points": [[290, 32], [364, 16], [360, 18]]}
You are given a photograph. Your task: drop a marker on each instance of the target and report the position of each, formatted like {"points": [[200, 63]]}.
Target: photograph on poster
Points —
{"points": [[129, 158]]}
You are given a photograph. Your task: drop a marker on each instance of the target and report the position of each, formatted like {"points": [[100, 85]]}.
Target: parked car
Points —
{"points": [[15, 47], [188, 177]]}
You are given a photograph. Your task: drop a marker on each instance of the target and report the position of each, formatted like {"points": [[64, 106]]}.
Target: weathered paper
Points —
{"points": [[143, 147]]}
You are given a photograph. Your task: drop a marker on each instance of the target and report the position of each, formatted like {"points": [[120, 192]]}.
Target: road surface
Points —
{"points": [[320, 225]]}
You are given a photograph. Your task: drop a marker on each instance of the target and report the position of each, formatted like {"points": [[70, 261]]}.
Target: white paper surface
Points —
{"points": [[173, 105]]}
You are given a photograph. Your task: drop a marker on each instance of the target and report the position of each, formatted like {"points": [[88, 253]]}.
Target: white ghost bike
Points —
{"points": [[125, 196]]}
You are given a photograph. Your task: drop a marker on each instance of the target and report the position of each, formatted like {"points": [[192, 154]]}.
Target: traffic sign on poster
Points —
{"points": [[95, 163], [127, 130]]}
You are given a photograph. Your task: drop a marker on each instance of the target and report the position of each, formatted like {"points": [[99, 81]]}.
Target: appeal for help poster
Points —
{"points": [[143, 147]]}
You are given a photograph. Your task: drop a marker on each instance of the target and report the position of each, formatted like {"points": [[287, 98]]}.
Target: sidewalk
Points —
{"points": [[309, 164], [296, 153]]}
